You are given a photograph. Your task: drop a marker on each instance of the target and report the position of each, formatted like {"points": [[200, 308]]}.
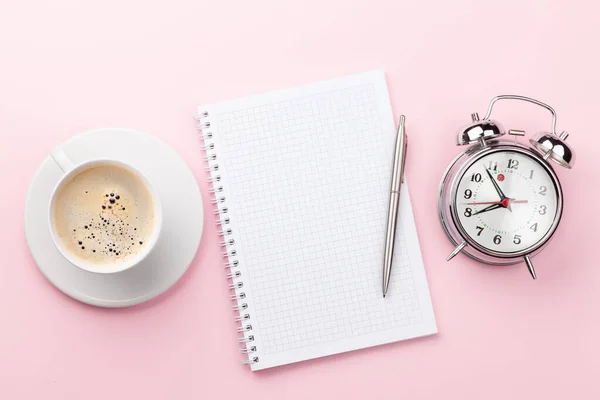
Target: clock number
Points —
{"points": [[533, 227], [517, 239], [476, 178], [480, 229], [542, 210], [468, 194], [531, 174], [493, 165], [513, 164], [543, 190], [468, 212], [497, 239]]}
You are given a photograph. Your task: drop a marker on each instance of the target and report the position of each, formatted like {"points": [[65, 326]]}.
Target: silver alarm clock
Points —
{"points": [[500, 201]]}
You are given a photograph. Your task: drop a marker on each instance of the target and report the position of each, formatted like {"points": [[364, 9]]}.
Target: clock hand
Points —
{"points": [[496, 186], [490, 208], [511, 201]]}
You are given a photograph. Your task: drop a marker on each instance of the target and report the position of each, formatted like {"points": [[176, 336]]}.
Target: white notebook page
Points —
{"points": [[305, 175]]}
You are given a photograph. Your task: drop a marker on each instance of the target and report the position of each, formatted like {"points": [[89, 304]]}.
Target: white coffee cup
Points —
{"points": [[71, 169]]}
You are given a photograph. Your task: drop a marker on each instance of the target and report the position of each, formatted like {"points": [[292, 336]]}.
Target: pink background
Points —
{"points": [[67, 66]]}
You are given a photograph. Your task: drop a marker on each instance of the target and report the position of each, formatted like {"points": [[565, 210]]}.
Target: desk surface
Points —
{"points": [[67, 67]]}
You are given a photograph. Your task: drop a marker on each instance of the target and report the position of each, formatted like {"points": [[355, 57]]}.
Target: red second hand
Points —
{"points": [[498, 202]]}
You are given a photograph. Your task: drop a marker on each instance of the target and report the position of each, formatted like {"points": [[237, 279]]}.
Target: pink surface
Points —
{"points": [[69, 66]]}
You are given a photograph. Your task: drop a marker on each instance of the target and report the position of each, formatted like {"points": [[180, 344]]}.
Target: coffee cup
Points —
{"points": [[104, 215]]}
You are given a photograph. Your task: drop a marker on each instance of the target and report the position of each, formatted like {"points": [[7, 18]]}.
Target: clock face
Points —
{"points": [[507, 202]]}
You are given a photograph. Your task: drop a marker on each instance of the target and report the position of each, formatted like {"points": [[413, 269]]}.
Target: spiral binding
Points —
{"points": [[234, 275]]}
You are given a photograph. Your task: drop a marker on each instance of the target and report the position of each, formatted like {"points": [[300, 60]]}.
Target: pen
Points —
{"points": [[390, 231]]}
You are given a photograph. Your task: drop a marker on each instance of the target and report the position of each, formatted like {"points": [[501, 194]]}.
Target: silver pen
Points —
{"points": [[397, 178]]}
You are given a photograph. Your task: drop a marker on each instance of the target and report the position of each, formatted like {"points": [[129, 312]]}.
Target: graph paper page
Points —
{"points": [[305, 175]]}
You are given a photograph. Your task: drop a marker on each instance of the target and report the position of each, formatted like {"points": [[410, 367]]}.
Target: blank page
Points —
{"points": [[305, 176]]}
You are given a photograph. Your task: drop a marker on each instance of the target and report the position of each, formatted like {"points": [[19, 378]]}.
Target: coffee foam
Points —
{"points": [[104, 214]]}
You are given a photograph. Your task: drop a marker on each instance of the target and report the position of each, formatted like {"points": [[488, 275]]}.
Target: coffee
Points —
{"points": [[104, 214]]}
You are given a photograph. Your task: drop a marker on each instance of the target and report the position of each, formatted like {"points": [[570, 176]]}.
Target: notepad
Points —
{"points": [[300, 179]]}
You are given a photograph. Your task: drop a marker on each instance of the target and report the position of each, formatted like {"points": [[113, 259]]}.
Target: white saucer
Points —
{"points": [[182, 221]]}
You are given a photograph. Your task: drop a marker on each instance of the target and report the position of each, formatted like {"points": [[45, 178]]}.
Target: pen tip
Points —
{"points": [[384, 295], [402, 118]]}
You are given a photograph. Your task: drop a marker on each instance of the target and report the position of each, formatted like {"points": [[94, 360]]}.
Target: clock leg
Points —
{"points": [[530, 267], [456, 251]]}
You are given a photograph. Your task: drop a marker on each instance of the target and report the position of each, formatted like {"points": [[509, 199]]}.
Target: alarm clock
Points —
{"points": [[500, 201]]}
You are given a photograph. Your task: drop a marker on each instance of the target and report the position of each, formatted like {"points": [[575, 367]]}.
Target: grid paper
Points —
{"points": [[306, 179]]}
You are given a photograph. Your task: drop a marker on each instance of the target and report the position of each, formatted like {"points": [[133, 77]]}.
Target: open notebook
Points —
{"points": [[301, 182]]}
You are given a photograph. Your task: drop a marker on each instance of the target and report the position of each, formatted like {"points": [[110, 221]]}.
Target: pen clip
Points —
{"points": [[402, 126]]}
